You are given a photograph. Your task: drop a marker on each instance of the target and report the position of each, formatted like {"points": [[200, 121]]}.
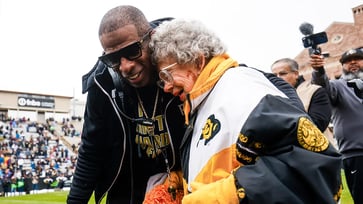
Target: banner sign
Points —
{"points": [[27, 100]]}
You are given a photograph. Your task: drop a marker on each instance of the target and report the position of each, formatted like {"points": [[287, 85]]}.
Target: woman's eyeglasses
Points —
{"points": [[130, 52], [165, 76]]}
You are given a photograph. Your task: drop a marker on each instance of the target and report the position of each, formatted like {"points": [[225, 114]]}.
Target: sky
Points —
{"points": [[47, 45]]}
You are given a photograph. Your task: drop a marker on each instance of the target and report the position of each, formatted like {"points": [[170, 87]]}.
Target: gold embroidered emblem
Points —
{"points": [[241, 193], [244, 157], [243, 138], [310, 137], [258, 145]]}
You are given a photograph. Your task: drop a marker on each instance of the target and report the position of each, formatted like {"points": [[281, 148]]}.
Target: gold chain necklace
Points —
{"points": [[150, 128], [140, 104]]}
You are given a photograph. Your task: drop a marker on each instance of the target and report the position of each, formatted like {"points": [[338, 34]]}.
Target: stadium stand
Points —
{"points": [[35, 156]]}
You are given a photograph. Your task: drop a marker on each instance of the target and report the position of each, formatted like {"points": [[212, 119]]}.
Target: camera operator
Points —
{"points": [[347, 114]]}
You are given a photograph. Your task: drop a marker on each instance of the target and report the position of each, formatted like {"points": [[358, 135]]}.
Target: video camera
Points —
{"points": [[312, 40]]}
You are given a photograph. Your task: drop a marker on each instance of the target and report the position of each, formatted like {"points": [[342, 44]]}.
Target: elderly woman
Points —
{"points": [[248, 138]]}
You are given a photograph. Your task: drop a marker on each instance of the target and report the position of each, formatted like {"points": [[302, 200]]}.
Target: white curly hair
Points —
{"points": [[184, 41]]}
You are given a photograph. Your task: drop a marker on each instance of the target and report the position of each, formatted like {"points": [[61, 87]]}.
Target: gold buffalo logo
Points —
{"points": [[310, 137], [210, 129]]}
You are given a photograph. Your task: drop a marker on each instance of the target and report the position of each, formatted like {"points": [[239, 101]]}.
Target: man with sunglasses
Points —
{"points": [[132, 129]]}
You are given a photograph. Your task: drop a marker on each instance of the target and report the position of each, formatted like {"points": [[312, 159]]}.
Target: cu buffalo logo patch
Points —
{"points": [[310, 137], [210, 129]]}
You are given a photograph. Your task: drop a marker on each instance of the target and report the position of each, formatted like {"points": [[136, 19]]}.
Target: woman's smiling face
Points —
{"points": [[182, 80]]}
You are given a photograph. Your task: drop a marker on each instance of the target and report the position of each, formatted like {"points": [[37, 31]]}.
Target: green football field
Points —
{"points": [[59, 197]]}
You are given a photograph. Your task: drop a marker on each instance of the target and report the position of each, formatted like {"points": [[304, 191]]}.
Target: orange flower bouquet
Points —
{"points": [[169, 192]]}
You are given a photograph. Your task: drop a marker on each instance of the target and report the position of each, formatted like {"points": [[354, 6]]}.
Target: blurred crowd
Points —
{"points": [[32, 156]]}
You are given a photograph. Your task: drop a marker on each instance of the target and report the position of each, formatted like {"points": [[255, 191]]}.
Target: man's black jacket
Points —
{"points": [[108, 159]]}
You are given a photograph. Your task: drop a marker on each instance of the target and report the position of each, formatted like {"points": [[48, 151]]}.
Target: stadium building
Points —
{"points": [[38, 107], [342, 36]]}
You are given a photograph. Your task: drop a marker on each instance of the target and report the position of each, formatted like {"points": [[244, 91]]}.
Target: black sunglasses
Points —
{"points": [[130, 52]]}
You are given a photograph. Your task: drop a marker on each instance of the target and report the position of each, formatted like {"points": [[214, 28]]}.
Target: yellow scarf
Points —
{"points": [[209, 76]]}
